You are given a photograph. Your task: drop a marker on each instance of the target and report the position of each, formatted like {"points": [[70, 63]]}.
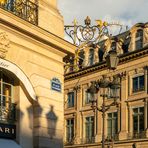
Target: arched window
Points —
{"points": [[91, 56], [7, 108], [139, 39]]}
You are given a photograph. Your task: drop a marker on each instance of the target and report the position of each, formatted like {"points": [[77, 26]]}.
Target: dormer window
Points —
{"points": [[139, 39], [25, 9], [113, 46], [91, 56]]}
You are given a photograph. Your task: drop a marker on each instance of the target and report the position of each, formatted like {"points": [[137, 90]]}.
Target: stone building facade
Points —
{"points": [[126, 124], [32, 74]]}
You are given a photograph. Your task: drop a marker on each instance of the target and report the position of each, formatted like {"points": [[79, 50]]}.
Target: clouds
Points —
{"points": [[128, 12]]}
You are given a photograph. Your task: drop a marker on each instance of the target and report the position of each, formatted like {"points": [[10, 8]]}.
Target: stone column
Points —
{"points": [[78, 126], [146, 116], [96, 57], [86, 54], [130, 130]]}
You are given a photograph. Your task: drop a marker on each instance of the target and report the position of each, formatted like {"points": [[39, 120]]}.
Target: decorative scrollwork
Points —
{"points": [[87, 33]]}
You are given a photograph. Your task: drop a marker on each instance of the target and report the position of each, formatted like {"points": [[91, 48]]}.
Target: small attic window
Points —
{"points": [[139, 39]]}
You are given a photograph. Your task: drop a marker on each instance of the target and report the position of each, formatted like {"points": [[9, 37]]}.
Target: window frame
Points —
{"points": [[90, 124], [138, 89], [71, 128], [139, 39], [114, 131], [70, 102], [137, 133]]}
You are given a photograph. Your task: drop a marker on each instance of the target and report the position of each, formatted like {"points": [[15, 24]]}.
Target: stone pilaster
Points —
{"points": [[123, 107]]}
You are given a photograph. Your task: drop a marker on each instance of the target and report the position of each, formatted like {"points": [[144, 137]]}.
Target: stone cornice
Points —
{"points": [[134, 55], [35, 32]]}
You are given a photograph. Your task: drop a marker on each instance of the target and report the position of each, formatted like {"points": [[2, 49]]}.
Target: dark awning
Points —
{"points": [[6, 143]]}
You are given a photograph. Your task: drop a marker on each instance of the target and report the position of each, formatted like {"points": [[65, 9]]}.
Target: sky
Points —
{"points": [[126, 12]]}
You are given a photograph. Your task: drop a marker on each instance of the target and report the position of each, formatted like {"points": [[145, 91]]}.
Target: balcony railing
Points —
{"points": [[88, 140], [7, 112], [69, 142], [24, 9], [114, 137], [137, 135]]}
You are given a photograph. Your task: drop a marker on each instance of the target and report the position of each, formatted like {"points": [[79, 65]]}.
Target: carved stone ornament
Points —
{"points": [[4, 44], [145, 36]]}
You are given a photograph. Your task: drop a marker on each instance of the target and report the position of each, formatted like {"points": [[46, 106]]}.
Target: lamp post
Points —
{"points": [[105, 84]]}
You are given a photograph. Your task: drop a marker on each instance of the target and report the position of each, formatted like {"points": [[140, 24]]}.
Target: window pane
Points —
{"points": [[135, 84], [91, 56], [141, 110], [87, 97], [70, 129], [89, 127], [112, 124], [141, 123], [6, 90], [135, 110], [141, 82], [70, 102], [0, 87], [135, 123]]}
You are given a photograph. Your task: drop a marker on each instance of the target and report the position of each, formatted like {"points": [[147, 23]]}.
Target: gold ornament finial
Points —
{"points": [[75, 22], [99, 23], [87, 21]]}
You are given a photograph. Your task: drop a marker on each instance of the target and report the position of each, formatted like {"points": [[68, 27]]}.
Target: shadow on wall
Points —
{"points": [[51, 121]]}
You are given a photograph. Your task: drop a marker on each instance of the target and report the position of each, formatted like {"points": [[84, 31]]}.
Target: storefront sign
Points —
{"points": [[20, 75], [56, 84], [7, 131]]}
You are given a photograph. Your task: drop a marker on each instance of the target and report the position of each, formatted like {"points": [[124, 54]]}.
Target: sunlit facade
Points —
{"points": [[126, 122]]}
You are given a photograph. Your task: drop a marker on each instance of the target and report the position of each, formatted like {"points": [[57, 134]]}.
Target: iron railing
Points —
{"points": [[7, 112], [137, 135], [88, 140], [24, 9], [69, 142], [114, 137]]}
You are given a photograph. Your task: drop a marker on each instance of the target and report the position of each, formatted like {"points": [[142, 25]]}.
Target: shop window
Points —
{"points": [[139, 39], [138, 122], [138, 83], [112, 125], [89, 129], [69, 130], [91, 56], [70, 102], [7, 107]]}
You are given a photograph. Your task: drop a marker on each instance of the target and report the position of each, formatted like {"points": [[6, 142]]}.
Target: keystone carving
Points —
{"points": [[4, 44]]}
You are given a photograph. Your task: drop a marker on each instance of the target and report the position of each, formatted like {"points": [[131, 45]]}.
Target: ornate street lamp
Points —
{"points": [[112, 59], [104, 85]]}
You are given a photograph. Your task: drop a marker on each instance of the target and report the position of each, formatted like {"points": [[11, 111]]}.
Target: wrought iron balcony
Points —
{"points": [[88, 140], [69, 142], [24, 9], [114, 137], [137, 135], [7, 112]]}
